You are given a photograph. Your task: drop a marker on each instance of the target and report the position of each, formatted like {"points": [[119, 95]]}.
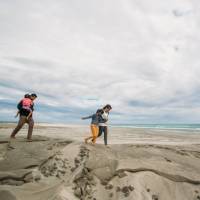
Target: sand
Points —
{"points": [[57, 165]]}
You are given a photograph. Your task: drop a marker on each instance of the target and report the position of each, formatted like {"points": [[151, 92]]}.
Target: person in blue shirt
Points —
{"points": [[94, 126]]}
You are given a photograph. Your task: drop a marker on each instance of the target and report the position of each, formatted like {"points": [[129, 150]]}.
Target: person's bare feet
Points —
{"points": [[29, 140], [86, 141]]}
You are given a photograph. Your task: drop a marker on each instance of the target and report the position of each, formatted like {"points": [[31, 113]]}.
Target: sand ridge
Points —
{"points": [[60, 169]]}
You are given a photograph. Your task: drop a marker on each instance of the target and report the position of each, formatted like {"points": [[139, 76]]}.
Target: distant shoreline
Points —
{"points": [[161, 126]]}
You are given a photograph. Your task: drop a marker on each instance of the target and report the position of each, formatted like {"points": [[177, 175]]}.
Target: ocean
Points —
{"points": [[161, 126]]}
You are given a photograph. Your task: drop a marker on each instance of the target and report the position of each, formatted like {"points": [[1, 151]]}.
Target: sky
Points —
{"points": [[140, 56]]}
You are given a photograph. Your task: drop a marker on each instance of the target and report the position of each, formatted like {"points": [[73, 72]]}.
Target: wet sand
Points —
{"points": [[138, 164]]}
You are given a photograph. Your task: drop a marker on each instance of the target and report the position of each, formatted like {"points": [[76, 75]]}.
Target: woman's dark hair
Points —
{"points": [[26, 95], [108, 106], [99, 111], [33, 95]]}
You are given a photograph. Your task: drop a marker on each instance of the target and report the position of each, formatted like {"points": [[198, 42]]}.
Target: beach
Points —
{"points": [[138, 163]]}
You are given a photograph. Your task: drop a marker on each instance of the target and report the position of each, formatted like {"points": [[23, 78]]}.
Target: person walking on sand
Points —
{"points": [[103, 126], [94, 126], [26, 108], [26, 103]]}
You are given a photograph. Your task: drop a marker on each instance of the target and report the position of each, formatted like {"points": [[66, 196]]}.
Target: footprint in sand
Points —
{"points": [[154, 197]]}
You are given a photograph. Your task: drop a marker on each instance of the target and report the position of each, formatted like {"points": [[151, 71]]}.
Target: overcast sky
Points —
{"points": [[140, 56]]}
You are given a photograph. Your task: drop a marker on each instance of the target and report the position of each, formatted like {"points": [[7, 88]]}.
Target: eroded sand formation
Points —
{"points": [[50, 169]]}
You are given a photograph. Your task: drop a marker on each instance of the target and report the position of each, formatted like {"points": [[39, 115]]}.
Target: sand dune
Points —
{"points": [[58, 169]]}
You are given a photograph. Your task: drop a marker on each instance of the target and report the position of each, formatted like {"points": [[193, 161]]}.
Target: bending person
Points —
{"points": [[94, 126], [103, 126]]}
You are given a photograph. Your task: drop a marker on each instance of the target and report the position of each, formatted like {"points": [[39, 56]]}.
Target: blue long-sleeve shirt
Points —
{"points": [[94, 117]]}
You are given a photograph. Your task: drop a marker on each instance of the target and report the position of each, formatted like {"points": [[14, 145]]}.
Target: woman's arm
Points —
{"points": [[17, 114], [87, 117]]}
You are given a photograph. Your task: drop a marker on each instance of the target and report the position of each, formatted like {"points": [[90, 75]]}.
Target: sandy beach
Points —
{"points": [[142, 164], [123, 75]]}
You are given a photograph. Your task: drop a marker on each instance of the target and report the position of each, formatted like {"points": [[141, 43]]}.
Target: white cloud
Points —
{"points": [[140, 56]]}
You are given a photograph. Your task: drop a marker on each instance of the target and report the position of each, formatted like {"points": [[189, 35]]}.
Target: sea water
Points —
{"points": [[161, 126]]}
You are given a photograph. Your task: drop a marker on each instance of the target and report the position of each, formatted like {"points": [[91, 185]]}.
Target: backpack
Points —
{"points": [[26, 103]]}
